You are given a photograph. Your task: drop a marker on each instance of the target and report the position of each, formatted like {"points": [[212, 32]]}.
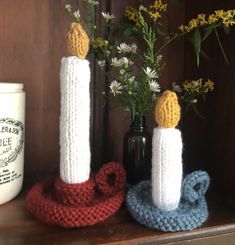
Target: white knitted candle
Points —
{"points": [[75, 120], [166, 168]]}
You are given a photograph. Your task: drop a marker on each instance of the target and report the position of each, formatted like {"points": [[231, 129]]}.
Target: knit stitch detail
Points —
{"points": [[77, 41], [166, 168], [43, 202], [75, 153], [195, 185], [167, 110], [187, 216], [74, 194]]}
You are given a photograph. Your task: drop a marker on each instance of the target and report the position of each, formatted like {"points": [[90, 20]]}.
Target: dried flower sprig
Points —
{"points": [[203, 26], [191, 91]]}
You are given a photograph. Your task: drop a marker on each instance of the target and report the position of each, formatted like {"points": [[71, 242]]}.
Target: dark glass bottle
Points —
{"points": [[137, 152]]}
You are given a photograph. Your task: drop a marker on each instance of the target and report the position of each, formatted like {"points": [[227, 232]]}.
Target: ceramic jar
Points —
{"points": [[12, 121]]}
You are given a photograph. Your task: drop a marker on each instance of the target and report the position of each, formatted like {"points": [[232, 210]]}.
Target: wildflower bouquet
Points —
{"points": [[132, 72]]}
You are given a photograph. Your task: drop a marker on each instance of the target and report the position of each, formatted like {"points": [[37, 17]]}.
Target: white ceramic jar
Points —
{"points": [[12, 121]]}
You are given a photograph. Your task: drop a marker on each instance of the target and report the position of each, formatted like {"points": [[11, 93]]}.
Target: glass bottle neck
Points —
{"points": [[138, 123]]}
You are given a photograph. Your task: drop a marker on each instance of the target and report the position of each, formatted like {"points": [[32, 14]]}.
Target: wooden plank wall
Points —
{"points": [[210, 143], [32, 42]]}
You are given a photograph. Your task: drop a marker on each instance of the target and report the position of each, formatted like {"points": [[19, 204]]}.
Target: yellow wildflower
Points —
{"points": [[154, 15], [219, 14], [228, 23], [131, 14], [202, 19], [227, 17], [208, 86], [184, 28], [187, 86], [196, 85], [229, 13], [98, 42], [212, 18], [158, 5], [192, 24]]}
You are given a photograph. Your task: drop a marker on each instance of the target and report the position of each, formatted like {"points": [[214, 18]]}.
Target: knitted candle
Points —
{"points": [[167, 154], [75, 110], [75, 198]]}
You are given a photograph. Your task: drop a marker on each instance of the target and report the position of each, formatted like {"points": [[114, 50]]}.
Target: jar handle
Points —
{"points": [[195, 185]]}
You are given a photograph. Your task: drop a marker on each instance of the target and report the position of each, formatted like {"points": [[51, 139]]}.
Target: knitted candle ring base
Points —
{"points": [[187, 216], [74, 194], [42, 202]]}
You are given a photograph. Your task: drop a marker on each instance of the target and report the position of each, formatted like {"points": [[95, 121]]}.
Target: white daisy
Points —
{"points": [[124, 48], [116, 62], [76, 14], [107, 16], [124, 61], [176, 87], [150, 73], [68, 7], [115, 87], [154, 86], [101, 63]]}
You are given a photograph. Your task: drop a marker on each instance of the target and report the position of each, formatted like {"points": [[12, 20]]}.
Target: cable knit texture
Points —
{"points": [[167, 110], [74, 205], [191, 212], [166, 168], [75, 120], [77, 41]]}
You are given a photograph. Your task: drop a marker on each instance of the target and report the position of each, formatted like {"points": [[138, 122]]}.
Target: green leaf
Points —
{"points": [[207, 34], [160, 32], [197, 112], [204, 54], [221, 47], [212, 26], [197, 44]]}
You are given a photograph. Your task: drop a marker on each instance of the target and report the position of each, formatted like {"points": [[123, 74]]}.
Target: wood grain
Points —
{"points": [[17, 226]]}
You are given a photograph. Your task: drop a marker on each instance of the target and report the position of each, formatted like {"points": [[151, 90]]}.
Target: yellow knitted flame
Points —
{"points": [[167, 110], [77, 41]]}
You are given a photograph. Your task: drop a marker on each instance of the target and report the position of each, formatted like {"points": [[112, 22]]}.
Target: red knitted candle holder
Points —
{"points": [[74, 205]]}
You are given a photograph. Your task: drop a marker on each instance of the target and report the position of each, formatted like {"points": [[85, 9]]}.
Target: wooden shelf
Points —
{"points": [[17, 226]]}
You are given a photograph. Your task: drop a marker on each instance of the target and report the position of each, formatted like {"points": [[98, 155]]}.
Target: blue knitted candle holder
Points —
{"points": [[191, 212]]}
